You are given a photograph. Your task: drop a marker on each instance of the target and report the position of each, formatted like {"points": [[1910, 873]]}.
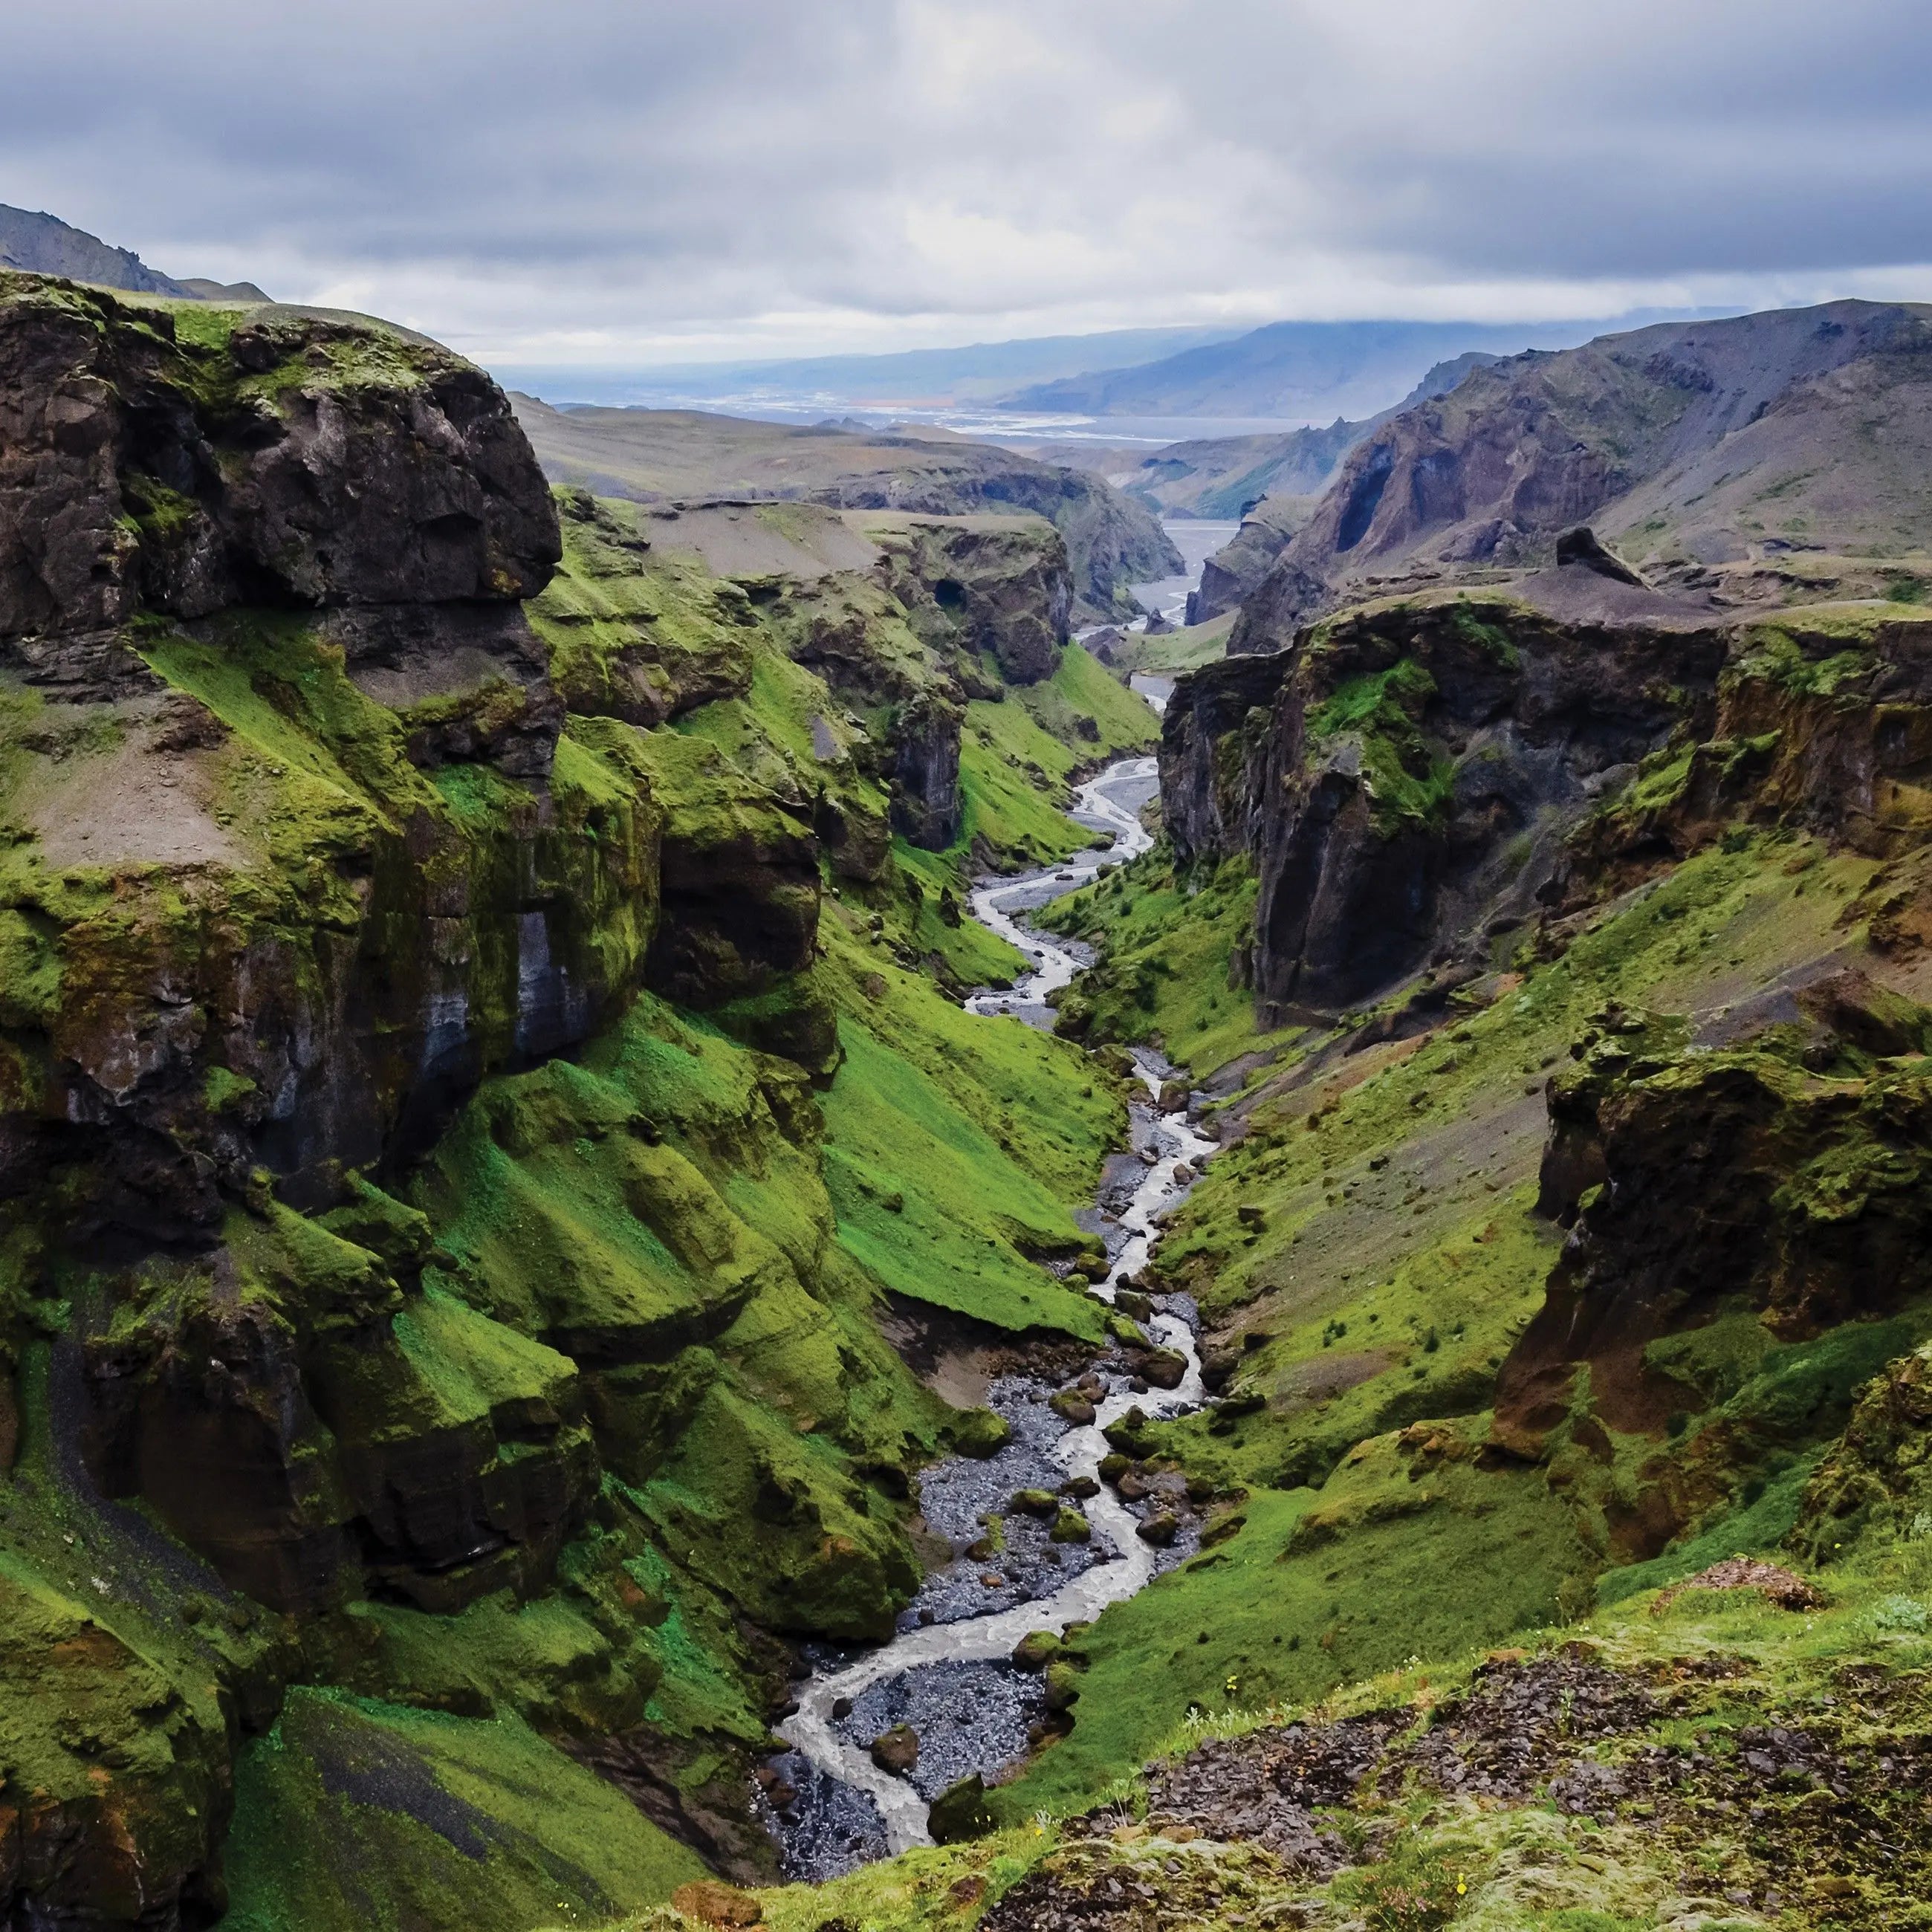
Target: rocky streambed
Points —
{"points": [[1039, 1541]]}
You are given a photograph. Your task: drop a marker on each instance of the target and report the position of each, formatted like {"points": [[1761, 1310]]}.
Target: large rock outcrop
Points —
{"points": [[981, 585], [1784, 1177], [1404, 774], [287, 518]]}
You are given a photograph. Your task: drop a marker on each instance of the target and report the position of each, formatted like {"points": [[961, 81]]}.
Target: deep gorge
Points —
{"points": [[654, 1245]]}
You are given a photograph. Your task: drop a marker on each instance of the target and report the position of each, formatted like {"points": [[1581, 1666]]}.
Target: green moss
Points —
{"points": [[353, 1813], [1759, 1529], [30, 973], [1086, 708], [1491, 639], [1407, 780], [1173, 966], [1776, 655], [933, 1206]]}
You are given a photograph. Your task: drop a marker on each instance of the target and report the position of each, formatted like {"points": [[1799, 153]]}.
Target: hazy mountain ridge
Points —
{"points": [[44, 244], [1292, 370], [978, 371]]}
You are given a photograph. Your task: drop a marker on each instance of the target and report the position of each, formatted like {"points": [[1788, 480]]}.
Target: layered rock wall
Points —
{"points": [[1404, 774]]}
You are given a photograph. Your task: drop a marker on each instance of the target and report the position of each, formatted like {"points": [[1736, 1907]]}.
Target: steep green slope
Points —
{"points": [[1569, 1296], [469, 968]]}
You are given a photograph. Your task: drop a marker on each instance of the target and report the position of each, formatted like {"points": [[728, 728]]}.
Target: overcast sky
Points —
{"points": [[610, 181]]}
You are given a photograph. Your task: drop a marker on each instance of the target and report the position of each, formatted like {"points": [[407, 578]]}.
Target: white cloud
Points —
{"points": [[606, 180]]}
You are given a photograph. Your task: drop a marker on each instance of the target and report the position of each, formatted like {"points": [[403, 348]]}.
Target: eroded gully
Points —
{"points": [[956, 1652]]}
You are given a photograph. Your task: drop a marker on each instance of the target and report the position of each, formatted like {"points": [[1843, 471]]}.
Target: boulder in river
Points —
{"points": [[1166, 1368], [959, 1812], [1131, 1302], [1080, 1487], [1070, 1526], [1070, 1405], [1036, 1650], [897, 1750], [1173, 1096]]}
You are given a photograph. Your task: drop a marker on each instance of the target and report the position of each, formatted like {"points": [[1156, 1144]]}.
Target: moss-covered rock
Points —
{"points": [[1703, 1181]]}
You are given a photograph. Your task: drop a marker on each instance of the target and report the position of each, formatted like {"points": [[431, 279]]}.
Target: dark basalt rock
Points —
{"points": [[925, 802], [1402, 777], [897, 1750], [1006, 591], [1581, 548], [1699, 1181], [379, 471], [960, 1812], [316, 497]]}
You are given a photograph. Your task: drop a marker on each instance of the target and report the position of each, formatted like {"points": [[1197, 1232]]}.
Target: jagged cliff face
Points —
{"points": [[1404, 774], [387, 1247], [1779, 1181], [353, 518], [1416, 775]]}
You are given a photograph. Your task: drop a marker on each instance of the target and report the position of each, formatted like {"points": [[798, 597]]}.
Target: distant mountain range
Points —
{"points": [[1296, 371], [1220, 477], [43, 245], [1698, 449], [980, 372]]}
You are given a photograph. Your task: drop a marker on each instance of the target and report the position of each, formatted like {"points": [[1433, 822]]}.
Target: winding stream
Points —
{"points": [[1120, 1563]]}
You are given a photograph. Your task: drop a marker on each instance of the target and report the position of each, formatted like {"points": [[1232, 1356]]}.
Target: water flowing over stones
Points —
{"points": [[947, 1672]]}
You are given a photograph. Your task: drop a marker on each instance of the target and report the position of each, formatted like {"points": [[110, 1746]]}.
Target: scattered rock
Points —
{"points": [[1584, 548], [1160, 1529], [1783, 1587], [981, 1432], [1164, 1368], [1036, 1650], [896, 1750], [1070, 1526], [1072, 1406], [1035, 1502]]}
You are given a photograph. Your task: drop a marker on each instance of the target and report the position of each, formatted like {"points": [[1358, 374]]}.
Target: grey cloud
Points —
{"points": [[510, 174]]}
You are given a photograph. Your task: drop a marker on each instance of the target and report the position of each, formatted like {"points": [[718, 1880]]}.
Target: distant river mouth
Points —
{"points": [[947, 1673]]}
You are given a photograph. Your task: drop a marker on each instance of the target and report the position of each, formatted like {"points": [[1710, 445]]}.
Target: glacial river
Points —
{"points": [[856, 1810]]}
